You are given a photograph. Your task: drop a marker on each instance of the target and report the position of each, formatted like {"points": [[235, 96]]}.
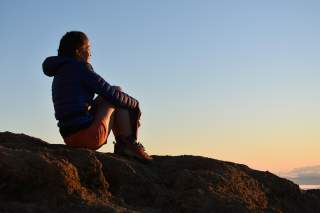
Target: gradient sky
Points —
{"points": [[232, 80]]}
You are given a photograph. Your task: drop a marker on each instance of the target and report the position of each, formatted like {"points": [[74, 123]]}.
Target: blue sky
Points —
{"points": [[233, 80]]}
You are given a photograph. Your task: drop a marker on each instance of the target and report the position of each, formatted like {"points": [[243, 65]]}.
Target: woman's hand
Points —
{"points": [[138, 110]]}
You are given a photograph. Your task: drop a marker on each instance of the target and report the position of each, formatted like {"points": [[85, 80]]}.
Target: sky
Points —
{"points": [[231, 80]]}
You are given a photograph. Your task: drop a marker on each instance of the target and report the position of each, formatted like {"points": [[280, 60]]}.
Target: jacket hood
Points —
{"points": [[52, 64]]}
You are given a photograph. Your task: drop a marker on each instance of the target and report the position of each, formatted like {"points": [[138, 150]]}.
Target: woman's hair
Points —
{"points": [[70, 42]]}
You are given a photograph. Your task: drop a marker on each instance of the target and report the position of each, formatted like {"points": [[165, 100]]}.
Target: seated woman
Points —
{"points": [[83, 121]]}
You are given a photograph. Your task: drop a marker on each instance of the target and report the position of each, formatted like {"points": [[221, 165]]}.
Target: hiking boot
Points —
{"points": [[131, 148]]}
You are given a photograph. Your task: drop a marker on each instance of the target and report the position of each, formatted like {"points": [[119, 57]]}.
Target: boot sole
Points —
{"points": [[130, 154]]}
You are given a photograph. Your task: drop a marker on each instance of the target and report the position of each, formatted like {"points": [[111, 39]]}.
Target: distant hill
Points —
{"points": [[39, 177], [305, 175]]}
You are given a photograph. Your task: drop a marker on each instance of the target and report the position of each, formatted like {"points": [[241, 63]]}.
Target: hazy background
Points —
{"points": [[232, 80]]}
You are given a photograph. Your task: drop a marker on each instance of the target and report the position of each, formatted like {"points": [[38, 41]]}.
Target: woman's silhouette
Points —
{"points": [[85, 121]]}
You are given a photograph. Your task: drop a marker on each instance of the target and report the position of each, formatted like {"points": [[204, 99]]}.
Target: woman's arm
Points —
{"points": [[95, 83]]}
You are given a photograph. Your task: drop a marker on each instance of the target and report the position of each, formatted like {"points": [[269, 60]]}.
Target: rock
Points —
{"points": [[36, 176]]}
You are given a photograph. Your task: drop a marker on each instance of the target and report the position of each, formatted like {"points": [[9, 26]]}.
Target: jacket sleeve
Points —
{"points": [[97, 84]]}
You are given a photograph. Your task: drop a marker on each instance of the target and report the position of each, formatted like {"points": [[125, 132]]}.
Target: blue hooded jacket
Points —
{"points": [[73, 88]]}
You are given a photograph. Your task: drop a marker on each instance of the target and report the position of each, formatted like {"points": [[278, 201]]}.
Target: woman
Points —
{"points": [[83, 121]]}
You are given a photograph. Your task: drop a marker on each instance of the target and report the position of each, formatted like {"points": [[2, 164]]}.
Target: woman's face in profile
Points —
{"points": [[85, 52]]}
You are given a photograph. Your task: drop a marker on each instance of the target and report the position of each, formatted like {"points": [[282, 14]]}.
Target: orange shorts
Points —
{"points": [[97, 133]]}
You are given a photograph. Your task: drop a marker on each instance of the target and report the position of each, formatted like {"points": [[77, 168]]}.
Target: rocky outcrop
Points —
{"points": [[39, 177]]}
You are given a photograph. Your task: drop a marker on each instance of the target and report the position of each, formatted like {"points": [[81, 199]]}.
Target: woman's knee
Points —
{"points": [[100, 101], [103, 108]]}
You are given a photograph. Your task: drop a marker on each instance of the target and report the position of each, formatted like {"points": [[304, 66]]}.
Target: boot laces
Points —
{"points": [[139, 145]]}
